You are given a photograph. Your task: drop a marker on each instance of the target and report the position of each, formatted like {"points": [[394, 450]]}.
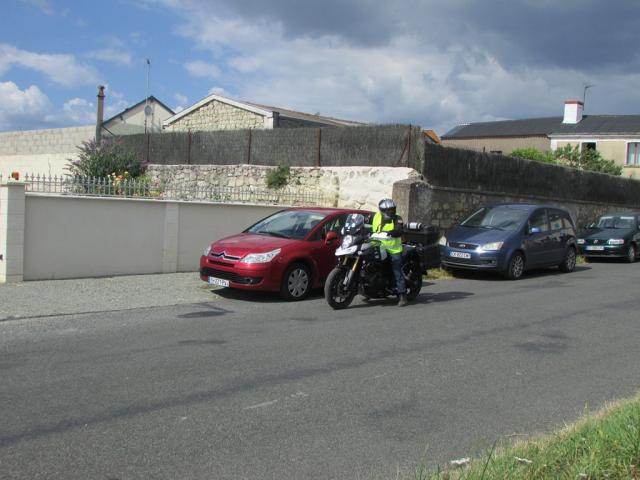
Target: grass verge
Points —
{"points": [[605, 445], [438, 274]]}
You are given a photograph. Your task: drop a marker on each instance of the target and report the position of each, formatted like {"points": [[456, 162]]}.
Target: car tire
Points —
{"points": [[569, 262], [296, 282], [631, 254], [515, 268]]}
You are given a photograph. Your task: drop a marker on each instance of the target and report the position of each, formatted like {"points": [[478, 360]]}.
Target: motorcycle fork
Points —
{"points": [[350, 273]]}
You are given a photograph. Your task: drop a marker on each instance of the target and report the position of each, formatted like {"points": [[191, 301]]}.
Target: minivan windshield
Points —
{"points": [[501, 217], [612, 221]]}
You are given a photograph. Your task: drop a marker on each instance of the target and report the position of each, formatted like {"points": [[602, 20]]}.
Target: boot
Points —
{"points": [[402, 300]]}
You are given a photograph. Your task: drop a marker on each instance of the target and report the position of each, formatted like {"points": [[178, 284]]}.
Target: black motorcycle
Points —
{"points": [[364, 268]]}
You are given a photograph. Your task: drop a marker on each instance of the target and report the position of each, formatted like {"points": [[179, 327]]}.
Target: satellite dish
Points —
{"points": [[148, 110]]}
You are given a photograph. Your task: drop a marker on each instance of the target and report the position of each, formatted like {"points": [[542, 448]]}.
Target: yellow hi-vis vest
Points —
{"points": [[393, 244]]}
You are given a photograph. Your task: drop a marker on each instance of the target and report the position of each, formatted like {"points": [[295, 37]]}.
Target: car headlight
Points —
{"points": [[580, 241], [442, 241], [261, 257], [207, 251], [347, 241], [492, 247], [616, 241]]}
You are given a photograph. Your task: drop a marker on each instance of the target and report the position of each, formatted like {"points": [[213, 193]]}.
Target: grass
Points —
{"points": [[438, 274], [605, 445]]}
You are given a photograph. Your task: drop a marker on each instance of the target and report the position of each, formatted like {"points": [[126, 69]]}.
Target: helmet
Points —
{"points": [[387, 208]]}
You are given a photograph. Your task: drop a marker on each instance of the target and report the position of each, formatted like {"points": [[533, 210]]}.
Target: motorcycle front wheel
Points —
{"points": [[334, 292]]}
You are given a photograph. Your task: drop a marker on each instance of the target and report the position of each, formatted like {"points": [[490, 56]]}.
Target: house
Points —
{"points": [[135, 120], [616, 137], [220, 113]]}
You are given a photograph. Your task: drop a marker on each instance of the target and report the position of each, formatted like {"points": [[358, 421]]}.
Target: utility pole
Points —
{"points": [[100, 114], [146, 100]]}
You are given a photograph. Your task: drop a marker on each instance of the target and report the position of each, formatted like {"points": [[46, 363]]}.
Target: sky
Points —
{"points": [[433, 63]]}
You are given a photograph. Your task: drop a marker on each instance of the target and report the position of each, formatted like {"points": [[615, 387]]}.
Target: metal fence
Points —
{"points": [[131, 188]]}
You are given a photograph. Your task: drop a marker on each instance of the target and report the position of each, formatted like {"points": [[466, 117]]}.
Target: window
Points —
{"points": [[555, 220], [633, 153], [539, 220], [588, 146], [334, 225]]}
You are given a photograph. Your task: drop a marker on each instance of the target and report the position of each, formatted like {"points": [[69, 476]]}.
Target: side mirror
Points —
{"points": [[533, 230], [330, 237]]}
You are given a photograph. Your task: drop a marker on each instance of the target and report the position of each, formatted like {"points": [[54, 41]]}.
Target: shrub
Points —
{"points": [[533, 154], [278, 177], [105, 158], [586, 159]]}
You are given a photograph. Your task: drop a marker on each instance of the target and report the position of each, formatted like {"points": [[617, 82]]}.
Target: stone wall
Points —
{"points": [[217, 116], [458, 181], [349, 187]]}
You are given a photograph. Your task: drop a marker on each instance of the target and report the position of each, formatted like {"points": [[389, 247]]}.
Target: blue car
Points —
{"points": [[511, 238]]}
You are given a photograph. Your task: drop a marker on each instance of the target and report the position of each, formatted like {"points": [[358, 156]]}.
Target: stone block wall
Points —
{"points": [[217, 116], [349, 187]]}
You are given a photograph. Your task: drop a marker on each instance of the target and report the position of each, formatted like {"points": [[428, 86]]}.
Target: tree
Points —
{"points": [[533, 154], [586, 159], [105, 158]]}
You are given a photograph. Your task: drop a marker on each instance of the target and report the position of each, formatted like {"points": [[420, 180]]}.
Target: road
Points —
{"points": [[249, 387]]}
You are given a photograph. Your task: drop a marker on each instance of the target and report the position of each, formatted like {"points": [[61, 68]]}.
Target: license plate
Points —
{"points": [[598, 248], [459, 255], [218, 281]]}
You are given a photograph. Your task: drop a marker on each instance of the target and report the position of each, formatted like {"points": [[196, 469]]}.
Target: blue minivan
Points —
{"points": [[510, 238]]}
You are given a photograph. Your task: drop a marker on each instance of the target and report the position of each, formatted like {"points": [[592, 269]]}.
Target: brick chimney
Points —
{"points": [[573, 111]]}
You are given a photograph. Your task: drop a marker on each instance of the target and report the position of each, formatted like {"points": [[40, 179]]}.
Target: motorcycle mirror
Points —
{"points": [[330, 237]]}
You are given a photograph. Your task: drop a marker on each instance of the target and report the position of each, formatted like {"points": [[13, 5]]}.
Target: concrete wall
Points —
{"points": [[74, 237], [505, 145], [458, 181], [41, 151]]}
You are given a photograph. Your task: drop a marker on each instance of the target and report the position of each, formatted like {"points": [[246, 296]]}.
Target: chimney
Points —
{"points": [[100, 115], [573, 111]]}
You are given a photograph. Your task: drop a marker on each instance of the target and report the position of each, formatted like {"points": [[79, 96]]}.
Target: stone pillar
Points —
{"points": [[12, 212]]}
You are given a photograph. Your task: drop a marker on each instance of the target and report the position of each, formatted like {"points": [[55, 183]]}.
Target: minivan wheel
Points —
{"points": [[515, 269], [296, 282], [631, 254], [569, 262]]}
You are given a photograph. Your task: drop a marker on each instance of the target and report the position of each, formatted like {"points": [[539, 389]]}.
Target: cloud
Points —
{"points": [[202, 69], [111, 55], [22, 109], [43, 5], [62, 69]]}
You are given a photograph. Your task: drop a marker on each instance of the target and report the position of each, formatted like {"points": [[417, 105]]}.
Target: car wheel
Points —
{"points": [[296, 282], [569, 262], [515, 269], [631, 254]]}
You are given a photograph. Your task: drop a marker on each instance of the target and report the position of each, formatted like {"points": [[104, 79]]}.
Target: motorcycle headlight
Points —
{"points": [[347, 241], [616, 241], [491, 247], [580, 241], [207, 251], [261, 257], [443, 241]]}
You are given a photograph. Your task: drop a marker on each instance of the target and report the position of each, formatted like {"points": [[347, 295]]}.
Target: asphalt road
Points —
{"points": [[247, 386]]}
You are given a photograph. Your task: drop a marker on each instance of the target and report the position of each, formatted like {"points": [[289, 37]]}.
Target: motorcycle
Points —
{"points": [[363, 267]]}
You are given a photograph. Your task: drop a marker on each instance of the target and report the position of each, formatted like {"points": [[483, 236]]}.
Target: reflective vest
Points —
{"points": [[393, 244]]}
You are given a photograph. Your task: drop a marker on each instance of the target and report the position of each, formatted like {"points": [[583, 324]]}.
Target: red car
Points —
{"points": [[291, 252]]}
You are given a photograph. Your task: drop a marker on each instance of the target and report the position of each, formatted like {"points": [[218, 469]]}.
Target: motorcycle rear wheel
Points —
{"points": [[334, 292]]}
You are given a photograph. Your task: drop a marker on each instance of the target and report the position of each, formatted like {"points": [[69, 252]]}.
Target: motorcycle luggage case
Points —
{"points": [[428, 237]]}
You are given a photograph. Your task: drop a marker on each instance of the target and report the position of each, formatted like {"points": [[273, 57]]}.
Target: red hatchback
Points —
{"points": [[291, 252]]}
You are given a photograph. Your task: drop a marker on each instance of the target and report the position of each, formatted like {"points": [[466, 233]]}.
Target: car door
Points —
{"points": [[557, 237], [537, 240], [323, 252]]}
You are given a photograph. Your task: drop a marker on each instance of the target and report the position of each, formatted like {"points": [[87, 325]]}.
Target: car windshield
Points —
{"points": [[294, 224], [501, 217], [612, 221]]}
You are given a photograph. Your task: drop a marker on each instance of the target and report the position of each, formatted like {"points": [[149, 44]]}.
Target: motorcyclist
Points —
{"points": [[387, 221]]}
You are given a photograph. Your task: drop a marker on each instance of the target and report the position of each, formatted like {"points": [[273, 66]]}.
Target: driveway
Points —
{"points": [[247, 386]]}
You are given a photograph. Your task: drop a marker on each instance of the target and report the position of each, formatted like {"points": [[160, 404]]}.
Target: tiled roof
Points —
{"points": [[590, 124]]}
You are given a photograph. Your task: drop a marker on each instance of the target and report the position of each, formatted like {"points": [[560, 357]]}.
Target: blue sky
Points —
{"points": [[426, 62]]}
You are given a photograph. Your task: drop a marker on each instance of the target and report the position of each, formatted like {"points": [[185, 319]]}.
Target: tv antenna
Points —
{"points": [[148, 110], [587, 86]]}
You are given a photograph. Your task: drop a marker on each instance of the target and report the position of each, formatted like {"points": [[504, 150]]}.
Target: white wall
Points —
{"points": [[74, 237]]}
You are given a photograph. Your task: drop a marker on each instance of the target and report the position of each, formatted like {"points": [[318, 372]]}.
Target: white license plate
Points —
{"points": [[459, 255], [598, 248], [218, 281]]}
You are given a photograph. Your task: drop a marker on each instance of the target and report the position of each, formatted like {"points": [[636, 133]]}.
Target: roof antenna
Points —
{"points": [[147, 107], [587, 86]]}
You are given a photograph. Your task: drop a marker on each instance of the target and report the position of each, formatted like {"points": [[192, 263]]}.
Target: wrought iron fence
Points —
{"points": [[145, 189]]}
